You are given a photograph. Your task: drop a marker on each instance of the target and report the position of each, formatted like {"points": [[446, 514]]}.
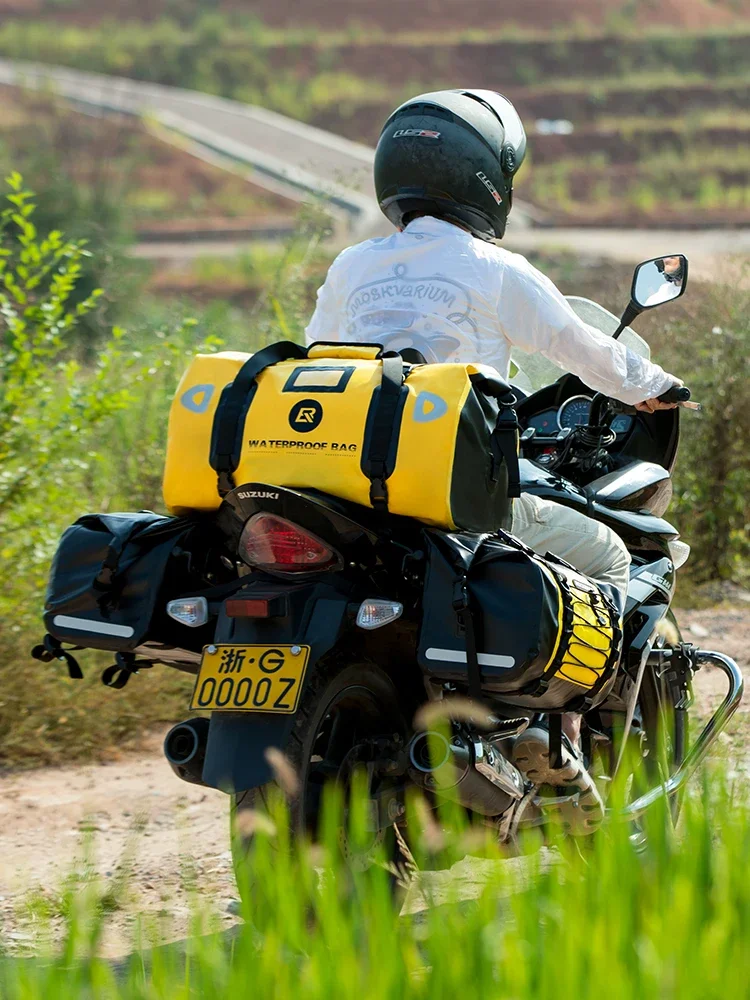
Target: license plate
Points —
{"points": [[250, 678]]}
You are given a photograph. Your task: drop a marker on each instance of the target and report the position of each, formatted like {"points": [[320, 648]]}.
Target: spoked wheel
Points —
{"points": [[346, 718]]}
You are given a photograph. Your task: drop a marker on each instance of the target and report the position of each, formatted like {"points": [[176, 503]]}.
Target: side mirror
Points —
{"points": [[660, 280], [655, 281]]}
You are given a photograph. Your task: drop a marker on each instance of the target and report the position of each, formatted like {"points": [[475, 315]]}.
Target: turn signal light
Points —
{"points": [[191, 611], [680, 553], [374, 614]]}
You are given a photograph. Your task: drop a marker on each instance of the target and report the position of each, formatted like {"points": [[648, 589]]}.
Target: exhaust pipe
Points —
{"points": [[469, 771], [185, 749]]}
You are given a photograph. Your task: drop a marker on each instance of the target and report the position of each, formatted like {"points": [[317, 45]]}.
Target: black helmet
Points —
{"points": [[451, 153]]}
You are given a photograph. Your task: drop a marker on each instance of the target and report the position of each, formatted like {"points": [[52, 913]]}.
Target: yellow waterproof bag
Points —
{"points": [[434, 442]]}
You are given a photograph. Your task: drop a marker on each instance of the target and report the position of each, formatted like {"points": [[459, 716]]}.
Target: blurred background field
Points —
{"points": [[638, 108]]}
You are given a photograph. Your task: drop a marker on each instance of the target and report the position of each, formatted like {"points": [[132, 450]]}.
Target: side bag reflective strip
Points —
{"points": [[459, 656], [86, 625]]}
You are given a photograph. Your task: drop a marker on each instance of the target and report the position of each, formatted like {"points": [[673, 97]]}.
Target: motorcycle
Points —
{"points": [[314, 632]]}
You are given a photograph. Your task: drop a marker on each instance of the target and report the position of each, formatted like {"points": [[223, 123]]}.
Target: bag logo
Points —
{"points": [[429, 407], [305, 416], [198, 399]]}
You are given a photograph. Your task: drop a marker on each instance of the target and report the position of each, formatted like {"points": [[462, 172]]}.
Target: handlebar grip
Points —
{"points": [[677, 394]]}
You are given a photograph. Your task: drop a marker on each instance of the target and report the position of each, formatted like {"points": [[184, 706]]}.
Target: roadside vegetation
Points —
{"points": [[667, 921], [83, 413]]}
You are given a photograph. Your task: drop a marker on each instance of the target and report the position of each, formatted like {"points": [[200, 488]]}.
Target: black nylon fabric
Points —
{"points": [[112, 570], [515, 612], [485, 466]]}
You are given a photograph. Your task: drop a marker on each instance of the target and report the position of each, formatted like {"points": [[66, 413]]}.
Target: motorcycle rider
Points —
{"points": [[444, 170]]}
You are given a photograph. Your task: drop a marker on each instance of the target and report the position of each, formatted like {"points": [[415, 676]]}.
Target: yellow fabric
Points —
{"points": [[189, 481], [590, 647], [327, 456], [589, 642], [362, 352]]}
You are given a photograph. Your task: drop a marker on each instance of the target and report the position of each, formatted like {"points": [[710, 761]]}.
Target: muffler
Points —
{"points": [[185, 749], [466, 769]]}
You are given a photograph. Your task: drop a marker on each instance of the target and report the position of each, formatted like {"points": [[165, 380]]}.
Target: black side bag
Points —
{"points": [[505, 622], [107, 578]]}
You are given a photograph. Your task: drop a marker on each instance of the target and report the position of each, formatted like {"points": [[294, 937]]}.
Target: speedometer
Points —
{"points": [[574, 411]]}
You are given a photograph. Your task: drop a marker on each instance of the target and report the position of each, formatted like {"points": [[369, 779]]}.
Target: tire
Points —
{"points": [[366, 703], [665, 726]]}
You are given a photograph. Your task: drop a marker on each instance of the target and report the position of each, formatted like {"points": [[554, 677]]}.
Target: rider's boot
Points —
{"points": [[578, 805]]}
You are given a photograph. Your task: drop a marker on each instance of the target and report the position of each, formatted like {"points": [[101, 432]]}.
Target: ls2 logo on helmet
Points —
{"points": [[490, 186], [416, 133], [305, 416]]}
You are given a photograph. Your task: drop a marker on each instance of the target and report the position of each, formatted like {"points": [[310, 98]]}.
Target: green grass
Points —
{"points": [[592, 920]]}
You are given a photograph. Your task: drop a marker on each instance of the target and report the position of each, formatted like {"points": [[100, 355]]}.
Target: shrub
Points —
{"points": [[712, 482]]}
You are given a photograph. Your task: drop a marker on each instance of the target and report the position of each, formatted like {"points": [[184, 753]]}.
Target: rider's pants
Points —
{"points": [[593, 548]]}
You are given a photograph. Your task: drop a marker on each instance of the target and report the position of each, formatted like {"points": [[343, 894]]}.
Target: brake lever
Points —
{"points": [[617, 407]]}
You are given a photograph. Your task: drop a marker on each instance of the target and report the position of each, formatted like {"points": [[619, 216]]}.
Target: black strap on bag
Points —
{"points": [[384, 429], [504, 444], [125, 665], [465, 616], [232, 408], [122, 531], [504, 440], [150, 529], [473, 670], [51, 649]]}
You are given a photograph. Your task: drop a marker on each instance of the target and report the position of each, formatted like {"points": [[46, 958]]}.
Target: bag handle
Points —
{"points": [[325, 349], [232, 407]]}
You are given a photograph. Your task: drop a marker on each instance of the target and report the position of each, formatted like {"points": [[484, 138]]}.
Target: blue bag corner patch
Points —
{"points": [[198, 399], [429, 407]]}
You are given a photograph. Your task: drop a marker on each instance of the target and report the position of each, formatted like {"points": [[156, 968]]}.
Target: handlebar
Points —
{"points": [[676, 394]]}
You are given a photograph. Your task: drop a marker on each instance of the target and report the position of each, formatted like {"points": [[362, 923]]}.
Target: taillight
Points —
{"points": [[272, 543]]}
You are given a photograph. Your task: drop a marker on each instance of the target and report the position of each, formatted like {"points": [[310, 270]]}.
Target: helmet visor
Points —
{"points": [[501, 106]]}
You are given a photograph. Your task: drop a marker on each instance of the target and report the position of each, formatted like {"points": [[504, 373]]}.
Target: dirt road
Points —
{"points": [[172, 837]]}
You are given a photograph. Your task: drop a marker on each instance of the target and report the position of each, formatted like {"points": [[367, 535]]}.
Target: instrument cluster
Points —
{"points": [[571, 413]]}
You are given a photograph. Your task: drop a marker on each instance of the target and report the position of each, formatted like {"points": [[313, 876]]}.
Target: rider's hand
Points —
{"points": [[653, 404]]}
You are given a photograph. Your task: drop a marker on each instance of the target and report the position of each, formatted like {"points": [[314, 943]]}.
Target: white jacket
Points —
{"points": [[456, 298]]}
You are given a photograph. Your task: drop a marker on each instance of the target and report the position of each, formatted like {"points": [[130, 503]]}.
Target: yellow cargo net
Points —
{"points": [[590, 640]]}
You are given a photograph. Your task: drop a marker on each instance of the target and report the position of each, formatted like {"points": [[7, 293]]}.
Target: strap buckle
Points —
{"points": [[225, 483], [378, 493], [460, 596]]}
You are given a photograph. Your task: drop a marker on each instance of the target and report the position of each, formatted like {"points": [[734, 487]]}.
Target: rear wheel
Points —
{"points": [[343, 713]]}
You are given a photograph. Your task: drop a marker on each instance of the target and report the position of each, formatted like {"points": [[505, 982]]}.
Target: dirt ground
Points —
{"points": [[154, 840]]}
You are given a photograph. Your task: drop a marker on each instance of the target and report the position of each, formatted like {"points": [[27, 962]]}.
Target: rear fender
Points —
{"points": [[237, 741]]}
